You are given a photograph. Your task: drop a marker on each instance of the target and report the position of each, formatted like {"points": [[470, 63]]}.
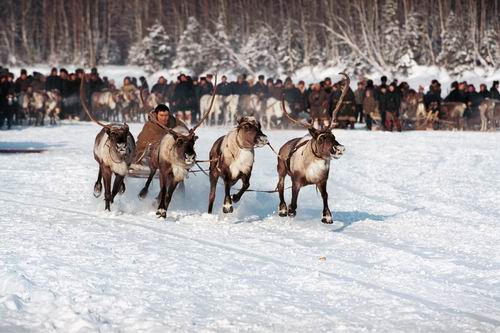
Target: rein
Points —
{"points": [[110, 153]]}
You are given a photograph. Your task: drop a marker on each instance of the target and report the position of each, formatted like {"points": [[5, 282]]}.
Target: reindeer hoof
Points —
{"points": [[234, 198], [283, 213], [143, 193], [227, 209], [292, 213], [161, 213], [327, 220], [122, 188], [97, 190]]}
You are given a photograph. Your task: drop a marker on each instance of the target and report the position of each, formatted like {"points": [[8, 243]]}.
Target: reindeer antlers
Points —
{"points": [[84, 103], [303, 124], [347, 81], [209, 108]]}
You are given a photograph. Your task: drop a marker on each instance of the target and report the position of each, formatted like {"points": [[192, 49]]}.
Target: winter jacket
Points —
{"points": [[318, 102], [159, 88], [494, 94], [22, 85], [370, 105], [53, 82], [152, 133], [359, 94], [184, 95], [276, 92], [389, 102], [295, 99], [224, 89], [206, 89], [240, 88], [455, 96], [260, 89]]}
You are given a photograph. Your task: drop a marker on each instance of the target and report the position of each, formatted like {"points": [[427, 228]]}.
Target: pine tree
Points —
{"points": [[190, 54], [109, 53], [290, 51], [456, 48], [259, 51], [413, 50], [155, 51], [216, 51], [390, 34], [490, 47]]}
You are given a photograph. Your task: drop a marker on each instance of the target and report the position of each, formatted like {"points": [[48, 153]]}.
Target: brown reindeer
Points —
{"points": [[114, 148], [307, 161], [174, 156], [232, 157]]}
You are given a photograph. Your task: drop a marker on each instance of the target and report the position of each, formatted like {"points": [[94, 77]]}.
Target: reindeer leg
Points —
{"points": [[117, 186], [327, 215], [281, 187], [228, 203], [106, 175], [144, 191], [161, 212], [292, 209], [214, 176], [168, 196], [98, 184], [245, 179]]}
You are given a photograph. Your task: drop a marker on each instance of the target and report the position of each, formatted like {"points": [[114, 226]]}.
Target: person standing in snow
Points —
{"points": [[359, 94], [318, 102], [494, 93]]}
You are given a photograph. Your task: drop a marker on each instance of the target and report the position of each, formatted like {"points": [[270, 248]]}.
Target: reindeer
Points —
{"points": [[489, 111], [114, 148], [174, 156], [33, 104], [272, 108], [307, 161], [451, 115], [151, 101], [53, 105], [104, 103], [232, 157], [205, 104]]}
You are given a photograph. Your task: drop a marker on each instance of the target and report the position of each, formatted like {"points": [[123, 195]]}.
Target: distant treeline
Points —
{"points": [[277, 36]]}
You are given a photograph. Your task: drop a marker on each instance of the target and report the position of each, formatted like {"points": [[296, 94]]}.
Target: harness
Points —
{"points": [[219, 159], [297, 146], [109, 151]]}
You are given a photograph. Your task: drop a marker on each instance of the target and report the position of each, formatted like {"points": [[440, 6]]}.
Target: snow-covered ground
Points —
{"points": [[414, 246]]}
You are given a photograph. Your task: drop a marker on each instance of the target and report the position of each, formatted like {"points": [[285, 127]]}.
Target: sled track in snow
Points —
{"points": [[376, 242], [432, 305]]}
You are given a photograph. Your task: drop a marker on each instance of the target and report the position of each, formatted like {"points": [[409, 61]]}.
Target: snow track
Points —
{"points": [[404, 254]]}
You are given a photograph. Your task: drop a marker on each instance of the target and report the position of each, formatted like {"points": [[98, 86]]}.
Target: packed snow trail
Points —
{"points": [[414, 245]]}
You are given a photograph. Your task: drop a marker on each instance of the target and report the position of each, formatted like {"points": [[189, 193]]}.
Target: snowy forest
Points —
{"points": [[276, 37]]}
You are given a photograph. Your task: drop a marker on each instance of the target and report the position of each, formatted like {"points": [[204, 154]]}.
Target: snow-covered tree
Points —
{"points": [[109, 53], [456, 48], [217, 48], [190, 54], [290, 51], [155, 51], [413, 48], [490, 48], [390, 34], [259, 51]]}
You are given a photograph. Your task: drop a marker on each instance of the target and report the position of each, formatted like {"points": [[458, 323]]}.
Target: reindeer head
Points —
{"points": [[250, 134], [184, 147], [325, 145], [118, 136]]}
